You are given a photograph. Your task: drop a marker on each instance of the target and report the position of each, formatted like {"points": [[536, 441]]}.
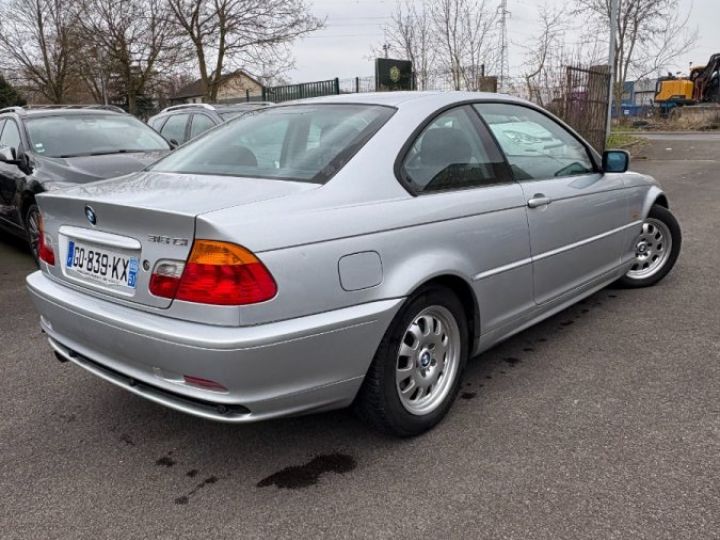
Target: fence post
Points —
{"points": [[247, 94], [337, 85], [357, 85]]}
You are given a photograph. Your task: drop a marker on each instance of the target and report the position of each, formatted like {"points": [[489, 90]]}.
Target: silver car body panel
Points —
{"points": [[309, 347]]}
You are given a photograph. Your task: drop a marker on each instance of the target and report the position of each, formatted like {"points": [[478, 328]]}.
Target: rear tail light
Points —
{"points": [[165, 278], [217, 273], [45, 250]]}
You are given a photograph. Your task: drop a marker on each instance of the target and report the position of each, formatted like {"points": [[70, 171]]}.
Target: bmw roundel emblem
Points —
{"points": [[90, 215]]}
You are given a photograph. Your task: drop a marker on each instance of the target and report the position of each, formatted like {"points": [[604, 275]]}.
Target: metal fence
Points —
{"points": [[583, 102], [278, 94]]}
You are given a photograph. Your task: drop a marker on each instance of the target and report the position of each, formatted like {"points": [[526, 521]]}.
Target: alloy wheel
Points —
{"points": [[428, 360], [652, 249]]}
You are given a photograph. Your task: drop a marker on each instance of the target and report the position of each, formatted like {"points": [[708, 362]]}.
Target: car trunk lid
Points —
{"points": [[133, 222]]}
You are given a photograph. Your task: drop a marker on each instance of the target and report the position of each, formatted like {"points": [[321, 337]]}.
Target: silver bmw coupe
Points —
{"points": [[349, 250]]}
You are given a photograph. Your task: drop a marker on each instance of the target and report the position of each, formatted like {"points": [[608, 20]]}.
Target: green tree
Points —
{"points": [[9, 96]]}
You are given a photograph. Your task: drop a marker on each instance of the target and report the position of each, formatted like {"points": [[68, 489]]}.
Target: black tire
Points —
{"points": [[32, 212], [378, 403], [662, 214]]}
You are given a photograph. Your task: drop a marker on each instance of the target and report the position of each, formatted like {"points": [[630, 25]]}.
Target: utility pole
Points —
{"points": [[504, 68], [614, 8]]}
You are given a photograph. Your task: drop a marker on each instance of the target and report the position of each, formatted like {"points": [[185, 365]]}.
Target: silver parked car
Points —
{"points": [[341, 250]]}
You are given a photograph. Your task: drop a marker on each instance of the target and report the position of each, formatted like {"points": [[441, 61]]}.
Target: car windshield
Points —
{"points": [[74, 135], [308, 143]]}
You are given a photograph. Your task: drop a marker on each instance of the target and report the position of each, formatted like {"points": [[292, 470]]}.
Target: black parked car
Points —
{"points": [[180, 123], [47, 148]]}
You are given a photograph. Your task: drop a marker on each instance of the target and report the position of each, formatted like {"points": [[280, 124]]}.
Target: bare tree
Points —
{"points": [[410, 35], [479, 53], [650, 34], [36, 42], [464, 32], [243, 33], [543, 51], [135, 39]]}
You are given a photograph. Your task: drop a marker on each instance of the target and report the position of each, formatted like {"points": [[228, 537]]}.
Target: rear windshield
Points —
{"points": [[73, 135], [307, 143]]}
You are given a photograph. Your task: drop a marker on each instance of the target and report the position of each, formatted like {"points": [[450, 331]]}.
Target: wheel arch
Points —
{"points": [[662, 200], [654, 196], [464, 292], [27, 198]]}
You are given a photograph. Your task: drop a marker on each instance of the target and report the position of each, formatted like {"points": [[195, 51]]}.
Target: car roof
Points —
{"points": [[29, 113], [397, 99]]}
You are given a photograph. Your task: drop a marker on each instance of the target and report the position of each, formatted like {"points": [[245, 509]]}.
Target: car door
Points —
{"points": [[576, 215], [200, 123], [176, 128], [454, 163], [10, 175]]}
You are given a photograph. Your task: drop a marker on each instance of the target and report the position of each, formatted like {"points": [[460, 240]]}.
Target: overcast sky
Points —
{"points": [[343, 48]]}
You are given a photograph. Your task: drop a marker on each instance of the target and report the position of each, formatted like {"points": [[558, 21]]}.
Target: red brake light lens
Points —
{"points": [[218, 273], [45, 250], [207, 384]]}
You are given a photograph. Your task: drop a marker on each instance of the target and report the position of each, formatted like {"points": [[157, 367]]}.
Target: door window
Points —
{"points": [[536, 146], [450, 154], [174, 128], [155, 123], [200, 124], [10, 135]]}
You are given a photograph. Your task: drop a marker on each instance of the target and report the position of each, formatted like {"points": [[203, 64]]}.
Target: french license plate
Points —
{"points": [[102, 265]]}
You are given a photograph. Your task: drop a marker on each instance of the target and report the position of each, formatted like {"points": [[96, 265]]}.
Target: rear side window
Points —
{"points": [[155, 123], [174, 128], [308, 143], [10, 135], [450, 154], [200, 124], [536, 146]]}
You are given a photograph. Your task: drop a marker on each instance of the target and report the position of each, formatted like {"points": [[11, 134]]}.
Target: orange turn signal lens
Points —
{"points": [[220, 253], [218, 273]]}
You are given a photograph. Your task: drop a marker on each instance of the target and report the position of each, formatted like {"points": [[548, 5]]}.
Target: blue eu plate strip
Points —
{"points": [[132, 274], [71, 254]]}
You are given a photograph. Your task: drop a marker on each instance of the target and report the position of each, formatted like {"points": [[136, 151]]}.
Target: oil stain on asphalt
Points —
{"points": [[302, 476], [468, 395], [186, 498], [165, 461]]}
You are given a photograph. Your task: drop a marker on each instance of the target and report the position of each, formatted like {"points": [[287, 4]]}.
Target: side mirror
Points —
{"points": [[615, 161], [173, 143], [8, 154]]}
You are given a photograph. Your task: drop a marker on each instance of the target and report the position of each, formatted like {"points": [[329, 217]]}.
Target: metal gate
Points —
{"points": [[584, 103], [289, 92]]}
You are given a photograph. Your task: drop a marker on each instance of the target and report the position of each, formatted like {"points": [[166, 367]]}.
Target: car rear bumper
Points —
{"points": [[288, 367]]}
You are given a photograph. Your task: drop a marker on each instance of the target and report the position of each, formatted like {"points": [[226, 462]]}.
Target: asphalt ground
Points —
{"points": [[601, 422]]}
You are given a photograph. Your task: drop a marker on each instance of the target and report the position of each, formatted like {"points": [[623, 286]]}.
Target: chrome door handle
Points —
{"points": [[538, 200]]}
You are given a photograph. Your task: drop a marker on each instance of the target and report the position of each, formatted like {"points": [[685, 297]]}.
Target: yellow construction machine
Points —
{"points": [[702, 86]]}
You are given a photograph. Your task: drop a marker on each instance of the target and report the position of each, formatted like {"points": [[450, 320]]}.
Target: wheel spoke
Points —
{"points": [[402, 375], [407, 351], [409, 390]]}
